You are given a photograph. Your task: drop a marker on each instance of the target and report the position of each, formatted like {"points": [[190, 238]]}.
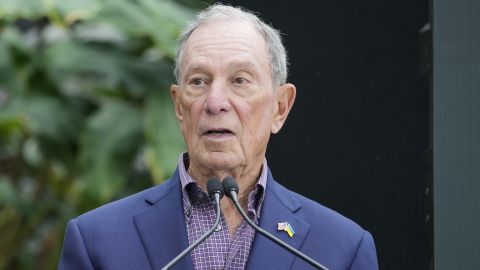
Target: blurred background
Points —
{"points": [[85, 116], [384, 130]]}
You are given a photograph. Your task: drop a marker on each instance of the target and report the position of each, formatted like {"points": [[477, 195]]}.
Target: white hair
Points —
{"points": [[276, 50]]}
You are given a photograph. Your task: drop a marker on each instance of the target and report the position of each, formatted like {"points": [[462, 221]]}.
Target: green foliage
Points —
{"points": [[85, 113]]}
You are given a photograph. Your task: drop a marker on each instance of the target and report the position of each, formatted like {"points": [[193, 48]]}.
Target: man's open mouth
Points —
{"points": [[219, 132]]}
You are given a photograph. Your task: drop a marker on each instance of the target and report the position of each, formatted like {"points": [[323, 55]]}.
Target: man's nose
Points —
{"points": [[217, 98]]}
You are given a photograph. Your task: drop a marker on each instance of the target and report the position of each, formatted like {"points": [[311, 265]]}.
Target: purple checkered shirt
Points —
{"points": [[220, 250]]}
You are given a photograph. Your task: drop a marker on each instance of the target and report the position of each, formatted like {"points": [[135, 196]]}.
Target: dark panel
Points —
{"points": [[357, 138], [457, 134]]}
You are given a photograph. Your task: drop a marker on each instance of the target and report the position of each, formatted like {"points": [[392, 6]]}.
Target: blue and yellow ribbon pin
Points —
{"points": [[285, 226]]}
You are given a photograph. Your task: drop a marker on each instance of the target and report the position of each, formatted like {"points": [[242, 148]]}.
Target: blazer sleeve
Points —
{"points": [[366, 257], [74, 254]]}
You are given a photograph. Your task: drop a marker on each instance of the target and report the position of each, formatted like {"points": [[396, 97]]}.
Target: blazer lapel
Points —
{"points": [[279, 206], [162, 227]]}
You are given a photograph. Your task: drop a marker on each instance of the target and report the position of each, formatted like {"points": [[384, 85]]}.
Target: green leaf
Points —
{"points": [[108, 146], [10, 123], [164, 140], [21, 9], [50, 127], [14, 52], [96, 67], [52, 119], [161, 21]]}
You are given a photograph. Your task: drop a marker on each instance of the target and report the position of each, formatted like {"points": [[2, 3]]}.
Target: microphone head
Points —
{"points": [[214, 186], [229, 184]]}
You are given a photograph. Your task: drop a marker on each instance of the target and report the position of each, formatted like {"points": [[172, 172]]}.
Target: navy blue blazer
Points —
{"points": [[146, 230]]}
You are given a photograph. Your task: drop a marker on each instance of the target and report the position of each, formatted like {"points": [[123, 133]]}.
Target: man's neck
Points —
{"points": [[246, 182], [246, 179]]}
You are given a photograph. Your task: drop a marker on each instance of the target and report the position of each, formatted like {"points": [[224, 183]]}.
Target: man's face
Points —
{"points": [[225, 102]]}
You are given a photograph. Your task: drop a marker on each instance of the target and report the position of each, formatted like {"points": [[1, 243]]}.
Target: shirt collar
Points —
{"points": [[192, 194]]}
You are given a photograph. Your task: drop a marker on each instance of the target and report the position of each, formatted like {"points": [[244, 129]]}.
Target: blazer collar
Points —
{"points": [[163, 232], [162, 227], [279, 206]]}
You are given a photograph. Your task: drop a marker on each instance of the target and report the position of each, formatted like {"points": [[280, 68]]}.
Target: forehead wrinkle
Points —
{"points": [[214, 45], [202, 53], [229, 33], [227, 29], [200, 59], [202, 46], [240, 65]]}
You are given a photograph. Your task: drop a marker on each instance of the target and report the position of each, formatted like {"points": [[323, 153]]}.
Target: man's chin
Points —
{"points": [[220, 161]]}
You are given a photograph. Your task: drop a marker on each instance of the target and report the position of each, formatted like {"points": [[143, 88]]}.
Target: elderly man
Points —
{"points": [[231, 94]]}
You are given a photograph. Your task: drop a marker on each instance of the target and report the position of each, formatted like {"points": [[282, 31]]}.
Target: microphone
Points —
{"points": [[231, 189], [215, 191]]}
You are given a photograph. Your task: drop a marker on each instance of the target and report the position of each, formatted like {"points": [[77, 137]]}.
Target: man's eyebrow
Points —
{"points": [[194, 67], [199, 67]]}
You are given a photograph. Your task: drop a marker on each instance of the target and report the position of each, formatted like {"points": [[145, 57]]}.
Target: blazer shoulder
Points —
{"points": [[130, 205], [332, 239], [320, 217], [110, 236]]}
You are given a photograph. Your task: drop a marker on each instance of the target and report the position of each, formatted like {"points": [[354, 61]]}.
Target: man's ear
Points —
{"points": [[174, 92], [285, 97]]}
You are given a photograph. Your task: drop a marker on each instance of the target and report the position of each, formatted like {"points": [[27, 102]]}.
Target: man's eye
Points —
{"points": [[239, 80], [197, 81]]}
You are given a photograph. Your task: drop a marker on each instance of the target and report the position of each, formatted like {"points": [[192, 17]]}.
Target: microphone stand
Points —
{"points": [[217, 195], [230, 187]]}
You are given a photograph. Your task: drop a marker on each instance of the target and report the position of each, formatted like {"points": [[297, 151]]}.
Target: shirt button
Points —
{"points": [[218, 228]]}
